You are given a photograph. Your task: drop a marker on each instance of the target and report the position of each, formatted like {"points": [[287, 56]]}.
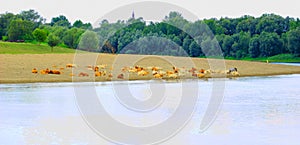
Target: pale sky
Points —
{"points": [[92, 10]]}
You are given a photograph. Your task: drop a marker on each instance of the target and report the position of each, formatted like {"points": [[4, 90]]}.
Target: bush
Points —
{"points": [[4, 38]]}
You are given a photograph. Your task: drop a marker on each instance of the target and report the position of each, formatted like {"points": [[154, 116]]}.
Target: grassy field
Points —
{"points": [[28, 48], [276, 58]]}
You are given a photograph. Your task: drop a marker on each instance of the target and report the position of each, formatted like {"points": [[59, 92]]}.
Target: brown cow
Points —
{"points": [[97, 74], [57, 72], [82, 74], [121, 76], [46, 71], [69, 65], [34, 70], [201, 71]]}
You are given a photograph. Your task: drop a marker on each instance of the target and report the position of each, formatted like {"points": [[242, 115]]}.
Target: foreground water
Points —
{"points": [[255, 110]]}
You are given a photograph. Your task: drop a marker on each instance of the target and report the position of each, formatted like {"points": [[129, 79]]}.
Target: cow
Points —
{"points": [[121, 76], [200, 75], [82, 74], [34, 70], [46, 71], [172, 76], [201, 71], [57, 72], [143, 73], [157, 75], [97, 74], [69, 65], [233, 70]]}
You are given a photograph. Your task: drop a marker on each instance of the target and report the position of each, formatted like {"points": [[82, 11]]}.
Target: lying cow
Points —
{"points": [[233, 70], [34, 70]]}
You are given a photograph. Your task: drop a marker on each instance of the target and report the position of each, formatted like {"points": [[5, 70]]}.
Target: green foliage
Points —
{"points": [[53, 41], [71, 37], [4, 38], [40, 35], [227, 45], [89, 41], [27, 48], [194, 49], [31, 15], [80, 24], [4, 23], [254, 46], [20, 30], [246, 37], [270, 44], [60, 21], [294, 41]]}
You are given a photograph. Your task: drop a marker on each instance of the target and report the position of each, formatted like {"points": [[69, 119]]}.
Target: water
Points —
{"points": [[295, 64], [255, 110]]}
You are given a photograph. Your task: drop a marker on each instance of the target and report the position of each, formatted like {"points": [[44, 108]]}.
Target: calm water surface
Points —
{"points": [[255, 111]]}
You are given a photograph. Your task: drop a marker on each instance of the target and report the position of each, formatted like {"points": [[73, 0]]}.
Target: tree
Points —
{"points": [[271, 23], [60, 21], [254, 47], [20, 30], [175, 19], [270, 44], [247, 25], [33, 16], [80, 24], [71, 37], [227, 44], [214, 26], [89, 41], [59, 31], [4, 23], [186, 44], [194, 49], [53, 41], [40, 35], [294, 41], [244, 39]]}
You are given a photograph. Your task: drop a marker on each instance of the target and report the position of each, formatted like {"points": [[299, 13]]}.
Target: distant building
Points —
{"points": [[132, 15]]}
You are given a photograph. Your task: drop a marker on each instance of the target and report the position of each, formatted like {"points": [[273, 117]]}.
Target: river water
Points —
{"points": [[254, 110]]}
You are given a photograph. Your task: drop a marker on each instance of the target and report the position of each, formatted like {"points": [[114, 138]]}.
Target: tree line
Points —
{"points": [[246, 36]]}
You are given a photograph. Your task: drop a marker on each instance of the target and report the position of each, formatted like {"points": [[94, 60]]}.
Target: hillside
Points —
{"points": [[28, 48]]}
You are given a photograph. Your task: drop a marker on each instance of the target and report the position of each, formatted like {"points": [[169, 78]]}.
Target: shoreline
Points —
{"points": [[16, 68], [166, 80]]}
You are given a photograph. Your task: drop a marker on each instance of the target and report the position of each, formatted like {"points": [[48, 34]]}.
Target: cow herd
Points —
{"points": [[138, 71]]}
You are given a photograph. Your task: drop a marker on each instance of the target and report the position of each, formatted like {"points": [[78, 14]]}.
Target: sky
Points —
{"points": [[93, 10]]}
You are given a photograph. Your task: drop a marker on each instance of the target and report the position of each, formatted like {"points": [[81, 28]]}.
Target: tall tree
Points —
{"points": [[254, 46], [80, 24], [270, 44], [4, 23], [271, 23], [71, 37], [195, 49], [60, 21], [20, 30], [33, 16], [227, 44], [89, 41], [53, 41], [40, 35], [294, 41]]}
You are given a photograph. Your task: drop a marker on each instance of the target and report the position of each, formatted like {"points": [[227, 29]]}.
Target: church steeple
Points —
{"points": [[132, 15]]}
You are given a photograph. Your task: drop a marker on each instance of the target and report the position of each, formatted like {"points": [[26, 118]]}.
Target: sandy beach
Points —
{"points": [[18, 68]]}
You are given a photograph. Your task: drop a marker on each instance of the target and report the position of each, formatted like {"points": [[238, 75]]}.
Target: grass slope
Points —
{"points": [[276, 58], [28, 48]]}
